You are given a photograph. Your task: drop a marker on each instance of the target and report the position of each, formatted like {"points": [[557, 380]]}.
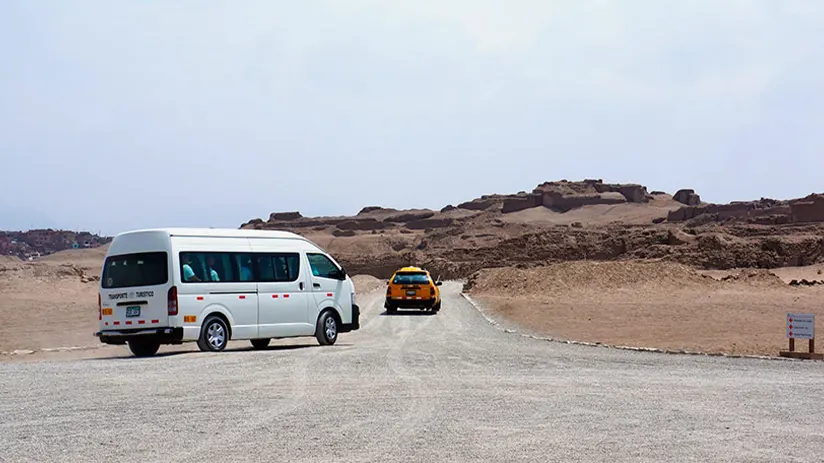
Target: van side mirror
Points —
{"points": [[342, 274]]}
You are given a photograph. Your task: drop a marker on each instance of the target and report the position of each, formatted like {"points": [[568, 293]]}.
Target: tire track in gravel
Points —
{"points": [[397, 333]]}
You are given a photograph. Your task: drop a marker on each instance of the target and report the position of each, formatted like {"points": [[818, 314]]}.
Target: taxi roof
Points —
{"points": [[410, 269]]}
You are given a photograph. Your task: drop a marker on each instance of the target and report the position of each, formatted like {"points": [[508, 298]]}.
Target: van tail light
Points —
{"points": [[172, 300], [99, 307]]}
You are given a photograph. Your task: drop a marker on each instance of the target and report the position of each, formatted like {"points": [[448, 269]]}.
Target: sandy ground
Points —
{"points": [[46, 304], [657, 305]]}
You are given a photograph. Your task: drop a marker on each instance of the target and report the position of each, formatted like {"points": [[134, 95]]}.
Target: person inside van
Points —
{"points": [[246, 269], [188, 273], [213, 276]]}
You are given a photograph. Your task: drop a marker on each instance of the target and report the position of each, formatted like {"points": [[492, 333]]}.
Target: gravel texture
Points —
{"points": [[409, 387]]}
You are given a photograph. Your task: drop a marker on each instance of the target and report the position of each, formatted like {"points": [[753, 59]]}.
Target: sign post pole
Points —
{"points": [[801, 326]]}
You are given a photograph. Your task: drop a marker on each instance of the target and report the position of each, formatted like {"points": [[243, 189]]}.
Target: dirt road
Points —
{"points": [[448, 387]]}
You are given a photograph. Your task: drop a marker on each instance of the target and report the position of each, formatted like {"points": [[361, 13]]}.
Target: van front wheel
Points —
{"points": [[327, 330], [144, 348], [214, 335]]}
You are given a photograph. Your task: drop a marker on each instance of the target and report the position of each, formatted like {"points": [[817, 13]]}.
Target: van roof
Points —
{"points": [[219, 232]]}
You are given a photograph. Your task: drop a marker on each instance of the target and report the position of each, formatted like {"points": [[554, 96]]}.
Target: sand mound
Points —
{"points": [[584, 275], [758, 277], [9, 260], [77, 255], [89, 261], [367, 283]]}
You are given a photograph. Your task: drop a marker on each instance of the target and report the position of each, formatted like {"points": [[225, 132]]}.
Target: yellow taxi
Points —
{"points": [[412, 288]]}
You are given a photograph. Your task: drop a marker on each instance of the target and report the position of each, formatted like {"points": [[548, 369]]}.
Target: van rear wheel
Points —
{"points": [[144, 348], [214, 334]]}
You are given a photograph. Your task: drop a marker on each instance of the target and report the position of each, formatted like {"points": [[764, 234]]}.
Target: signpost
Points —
{"points": [[801, 326]]}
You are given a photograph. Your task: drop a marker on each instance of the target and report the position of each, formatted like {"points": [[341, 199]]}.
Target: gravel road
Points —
{"points": [[448, 387]]}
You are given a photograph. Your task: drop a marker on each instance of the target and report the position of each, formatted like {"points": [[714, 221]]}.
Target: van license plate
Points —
{"points": [[132, 311]]}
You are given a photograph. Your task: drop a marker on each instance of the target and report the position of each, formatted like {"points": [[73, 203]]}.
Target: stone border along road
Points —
{"points": [[410, 387]]}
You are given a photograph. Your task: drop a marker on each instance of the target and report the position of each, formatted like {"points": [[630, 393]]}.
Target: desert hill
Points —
{"points": [[569, 221]]}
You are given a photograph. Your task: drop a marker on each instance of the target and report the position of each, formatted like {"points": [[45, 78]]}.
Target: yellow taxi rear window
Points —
{"points": [[409, 278]]}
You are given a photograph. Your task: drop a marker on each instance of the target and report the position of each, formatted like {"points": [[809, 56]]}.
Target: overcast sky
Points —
{"points": [[131, 114]]}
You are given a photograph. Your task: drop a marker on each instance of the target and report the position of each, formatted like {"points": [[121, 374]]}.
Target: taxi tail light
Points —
{"points": [[171, 299]]}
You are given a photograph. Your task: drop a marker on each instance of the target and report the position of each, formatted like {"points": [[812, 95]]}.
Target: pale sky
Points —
{"points": [[129, 114]]}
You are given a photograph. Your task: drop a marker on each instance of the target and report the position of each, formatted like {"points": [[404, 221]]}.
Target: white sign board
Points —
{"points": [[801, 325]]}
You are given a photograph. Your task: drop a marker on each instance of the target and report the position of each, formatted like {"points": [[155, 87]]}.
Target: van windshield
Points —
{"points": [[409, 278], [141, 269]]}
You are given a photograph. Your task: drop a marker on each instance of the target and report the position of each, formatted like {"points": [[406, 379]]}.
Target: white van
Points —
{"points": [[169, 286]]}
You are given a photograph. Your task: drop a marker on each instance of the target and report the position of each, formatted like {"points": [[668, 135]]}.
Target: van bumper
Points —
{"points": [[161, 335], [355, 325]]}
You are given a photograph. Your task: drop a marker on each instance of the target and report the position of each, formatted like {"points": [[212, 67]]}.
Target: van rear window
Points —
{"points": [[141, 269]]}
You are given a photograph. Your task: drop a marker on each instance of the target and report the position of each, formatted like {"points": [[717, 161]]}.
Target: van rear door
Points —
{"points": [[134, 291]]}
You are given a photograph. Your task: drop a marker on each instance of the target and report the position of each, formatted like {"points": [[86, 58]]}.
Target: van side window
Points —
{"points": [[281, 267], [322, 266], [207, 267], [246, 267]]}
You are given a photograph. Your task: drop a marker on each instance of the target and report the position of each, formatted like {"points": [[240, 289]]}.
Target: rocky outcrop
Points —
{"points": [[480, 204], [461, 240], [409, 216], [343, 233], [424, 224], [678, 238], [564, 196], [285, 216], [254, 224], [370, 209], [764, 211], [522, 202], [632, 193], [809, 209], [563, 203], [688, 197], [362, 224]]}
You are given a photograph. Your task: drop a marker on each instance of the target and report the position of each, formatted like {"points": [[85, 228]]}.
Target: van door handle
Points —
{"points": [[301, 286], [316, 285]]}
